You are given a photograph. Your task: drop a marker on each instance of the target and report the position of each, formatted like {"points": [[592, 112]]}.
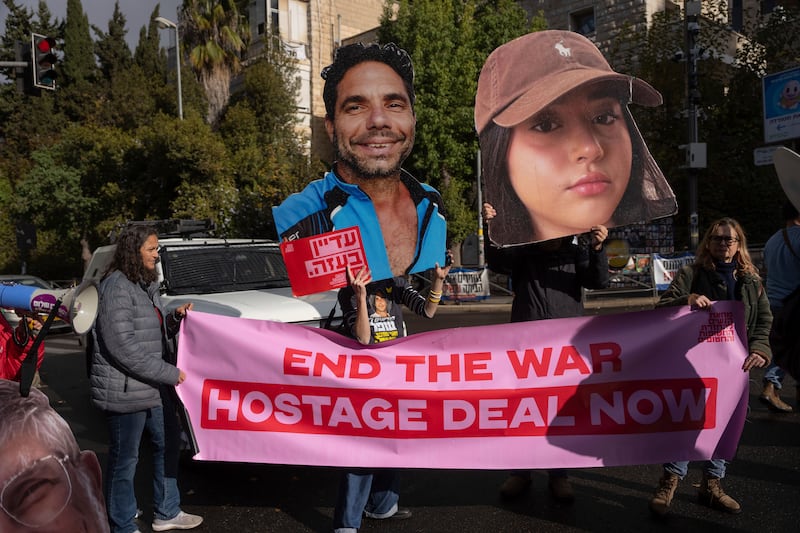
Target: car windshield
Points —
{"points": [[222, 268]]}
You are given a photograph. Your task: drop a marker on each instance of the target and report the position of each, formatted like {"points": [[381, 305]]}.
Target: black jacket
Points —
{"points": [[547, 282]]}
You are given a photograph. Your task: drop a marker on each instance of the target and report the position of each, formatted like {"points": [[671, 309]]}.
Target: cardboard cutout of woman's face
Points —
{"points": [[560, 150], [571, 164]]}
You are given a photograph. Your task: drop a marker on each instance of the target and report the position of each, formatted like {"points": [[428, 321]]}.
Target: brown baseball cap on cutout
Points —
{"points": [[523, 76]]}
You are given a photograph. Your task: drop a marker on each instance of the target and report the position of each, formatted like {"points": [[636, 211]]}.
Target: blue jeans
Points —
{"points": [[775, 374], [712, 467], [374, 492], [125, 433]]}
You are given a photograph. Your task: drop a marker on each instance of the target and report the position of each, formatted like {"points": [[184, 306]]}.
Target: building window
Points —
{"points": [[583, 22], [274, 20], [737, 15], [298, 21]]}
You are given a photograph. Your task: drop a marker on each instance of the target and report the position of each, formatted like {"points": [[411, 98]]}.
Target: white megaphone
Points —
{"points": [[78, 305]]}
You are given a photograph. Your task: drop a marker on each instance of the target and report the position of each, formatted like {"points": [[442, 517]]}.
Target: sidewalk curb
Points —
{"points": [[500, 303]]}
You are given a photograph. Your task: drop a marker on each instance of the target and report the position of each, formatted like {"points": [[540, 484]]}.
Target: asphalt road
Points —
{"points": [[233, 497]]}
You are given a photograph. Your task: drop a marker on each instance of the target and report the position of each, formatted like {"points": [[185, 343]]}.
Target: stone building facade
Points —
{"points": [[313, 29]]}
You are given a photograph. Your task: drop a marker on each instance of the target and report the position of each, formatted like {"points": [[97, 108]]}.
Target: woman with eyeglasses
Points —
{"points": [[722, 270]]}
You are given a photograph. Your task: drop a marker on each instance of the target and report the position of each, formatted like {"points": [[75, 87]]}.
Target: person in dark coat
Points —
{"points": [[548, 279]]}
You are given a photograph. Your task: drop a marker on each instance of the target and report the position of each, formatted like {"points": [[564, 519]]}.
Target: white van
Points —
{"points": [[236, 277]]}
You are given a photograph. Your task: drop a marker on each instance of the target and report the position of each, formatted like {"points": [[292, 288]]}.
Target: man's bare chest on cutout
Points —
{"points": [[399, 229]]}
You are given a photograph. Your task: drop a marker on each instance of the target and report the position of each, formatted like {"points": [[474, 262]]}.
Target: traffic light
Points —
{"points": [[43, 61]]}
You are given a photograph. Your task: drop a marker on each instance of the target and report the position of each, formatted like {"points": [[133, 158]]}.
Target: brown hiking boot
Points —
{"points": [[662, 499], [514, 486], [712, 495], [561, 489], [770, 398]]}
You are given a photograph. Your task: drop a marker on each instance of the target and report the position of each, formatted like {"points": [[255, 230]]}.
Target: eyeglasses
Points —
{"points": [[720, 239], [35, 496]]}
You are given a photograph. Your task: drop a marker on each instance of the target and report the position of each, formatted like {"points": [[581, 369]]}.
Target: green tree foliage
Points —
{"points": [[102, 156], [51, 198], [7, 253], [730, 116], [159, 80], [148, 54], [79, 63], [107, 145], [17, 29], [448, 41], [735, 128], [269, 159], [181, 169], [215, 35], [129, 93], [78, 73], [111, 49]]}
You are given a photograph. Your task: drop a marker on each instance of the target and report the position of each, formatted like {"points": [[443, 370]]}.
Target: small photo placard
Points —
{"points": [[318, 263]]}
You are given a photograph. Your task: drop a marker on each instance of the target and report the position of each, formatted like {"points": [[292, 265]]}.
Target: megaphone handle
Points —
{"points": [[28, 367]]}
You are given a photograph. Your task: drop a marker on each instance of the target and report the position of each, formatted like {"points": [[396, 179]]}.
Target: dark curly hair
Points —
{"points": [[351, 55], [128, 258]]}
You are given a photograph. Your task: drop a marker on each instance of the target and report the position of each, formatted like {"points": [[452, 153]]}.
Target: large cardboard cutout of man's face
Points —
{"points": [[400, 221]]}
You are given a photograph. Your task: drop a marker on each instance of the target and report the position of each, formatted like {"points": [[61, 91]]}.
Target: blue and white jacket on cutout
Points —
{"points": [[331, 204]]}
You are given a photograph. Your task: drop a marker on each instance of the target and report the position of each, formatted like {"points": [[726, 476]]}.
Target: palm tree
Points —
{"points": [[215, 35]]}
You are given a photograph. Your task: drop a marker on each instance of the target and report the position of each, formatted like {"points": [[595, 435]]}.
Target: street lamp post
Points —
{"points": [[166, 23]]}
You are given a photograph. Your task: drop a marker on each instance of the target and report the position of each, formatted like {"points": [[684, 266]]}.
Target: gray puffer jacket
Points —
{"points": [[127, 363]]}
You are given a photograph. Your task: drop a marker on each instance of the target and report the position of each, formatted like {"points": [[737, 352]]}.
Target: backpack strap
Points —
{"points": [[788, 243]]}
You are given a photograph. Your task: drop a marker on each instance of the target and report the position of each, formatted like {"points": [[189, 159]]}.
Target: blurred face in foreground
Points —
{"points": [[51, 493], [571, 163]]}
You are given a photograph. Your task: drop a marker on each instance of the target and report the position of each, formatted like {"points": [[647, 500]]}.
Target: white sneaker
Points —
{"points": [[180, 521]]}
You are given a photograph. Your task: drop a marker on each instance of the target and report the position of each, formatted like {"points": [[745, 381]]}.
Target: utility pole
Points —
{"points": [[695, 151], [481, 236]]}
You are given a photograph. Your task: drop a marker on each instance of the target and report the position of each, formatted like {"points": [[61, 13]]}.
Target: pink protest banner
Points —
{"points": [[318, 263], [634, 388]]}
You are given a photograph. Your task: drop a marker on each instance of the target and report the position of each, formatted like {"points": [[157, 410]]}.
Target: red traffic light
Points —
{"points": [[45, 45], [44, 61]]}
